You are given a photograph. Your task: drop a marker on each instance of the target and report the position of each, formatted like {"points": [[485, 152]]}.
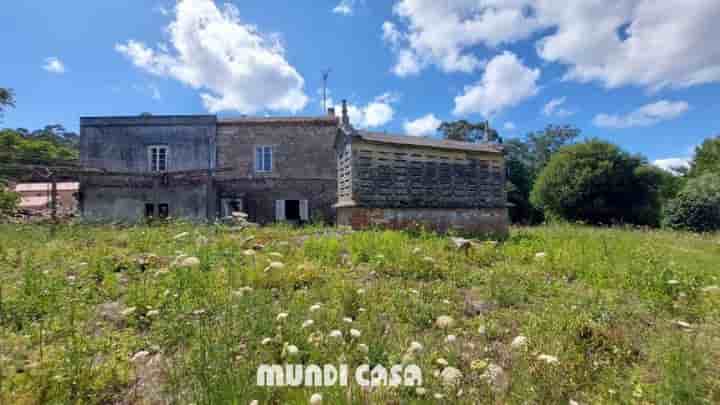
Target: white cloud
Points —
{"points": [[554, 108], [505, 83], [373, 114], [672, 164], [150, 89], [648, 43], [54, 65], [443, 32], [509, 126], [234, 65], [162, 10], [345, 7], [423, 126], [645, 116]]}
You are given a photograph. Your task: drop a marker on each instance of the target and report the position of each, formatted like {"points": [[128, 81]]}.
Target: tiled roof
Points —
{"points": [[428, 142], [323, 120]]}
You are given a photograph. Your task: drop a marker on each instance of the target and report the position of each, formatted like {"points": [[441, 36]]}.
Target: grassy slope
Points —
{"points": [[601, 301]]}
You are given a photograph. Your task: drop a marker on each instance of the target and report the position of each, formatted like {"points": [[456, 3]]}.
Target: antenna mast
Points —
{"points": [[325, 75]]}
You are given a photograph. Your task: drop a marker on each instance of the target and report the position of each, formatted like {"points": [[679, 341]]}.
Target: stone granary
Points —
{"points": [[399, 181], [201, 167]]}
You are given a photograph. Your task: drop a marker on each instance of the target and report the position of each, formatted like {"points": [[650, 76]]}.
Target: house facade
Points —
{"points": [[201, 167]]}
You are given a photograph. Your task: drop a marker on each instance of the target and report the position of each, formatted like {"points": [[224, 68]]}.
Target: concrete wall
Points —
{"points": [[304, 165], [464, 221], [403, 176], [120, 144]]}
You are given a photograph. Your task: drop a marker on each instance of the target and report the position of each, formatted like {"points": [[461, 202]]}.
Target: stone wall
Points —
{"points": [[120, 144], [399, 176], [464, 221], [304, 165]]}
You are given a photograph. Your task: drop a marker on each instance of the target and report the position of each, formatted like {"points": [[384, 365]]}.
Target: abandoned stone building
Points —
{"points": [[399, 181], [286, 169], [202, 167]]}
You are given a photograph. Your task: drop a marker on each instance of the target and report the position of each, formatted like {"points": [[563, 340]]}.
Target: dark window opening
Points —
{"points": [[149, 210], [163, 211], [292, 210]]}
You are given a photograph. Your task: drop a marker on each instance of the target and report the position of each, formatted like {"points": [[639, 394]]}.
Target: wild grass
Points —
{"points": [[95, 315]]}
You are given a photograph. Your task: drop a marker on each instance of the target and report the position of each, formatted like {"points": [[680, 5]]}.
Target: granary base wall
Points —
{"points": [[466, 221]]}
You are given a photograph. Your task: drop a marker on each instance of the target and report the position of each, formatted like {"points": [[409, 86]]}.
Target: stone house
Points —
{"points": [[400, 181], [201, 167], [37, 197]]}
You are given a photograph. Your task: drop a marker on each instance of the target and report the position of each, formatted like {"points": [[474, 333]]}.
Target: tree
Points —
{"points": [[597, 182], [465, 131], [707, 158], [7, 99], [697, 206], [525, 158]]}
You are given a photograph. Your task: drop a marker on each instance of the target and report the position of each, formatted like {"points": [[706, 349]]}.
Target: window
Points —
{"points": [[292, 210], [163, 211], [263, 159], [158, 158], [149, 210]]}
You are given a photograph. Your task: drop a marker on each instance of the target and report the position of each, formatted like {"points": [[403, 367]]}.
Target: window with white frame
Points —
{"points": [[158, 158], [263, 159]]}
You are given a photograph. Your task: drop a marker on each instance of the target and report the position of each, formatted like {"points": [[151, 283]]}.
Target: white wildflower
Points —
{"points": [[355, 333], [519, 342], [266, 341], [415, 347], [441, 362], [444, 322], [275, 266], [548, 359], [308, 323], [347, 320], [673, 282], [540, 255], [316, 399], [249, 252], [420, 391], [361, 291], [335, 334], [282, 316], [315, 307], [363, 347], [450, 338], [153, 313], [291, 350]]}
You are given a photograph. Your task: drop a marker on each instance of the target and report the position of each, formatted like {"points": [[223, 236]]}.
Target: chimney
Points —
{"points": [[345, 117], [331, 111]]}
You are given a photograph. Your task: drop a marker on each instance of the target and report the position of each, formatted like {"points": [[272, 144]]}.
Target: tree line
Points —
{"points": [[553, 174]]}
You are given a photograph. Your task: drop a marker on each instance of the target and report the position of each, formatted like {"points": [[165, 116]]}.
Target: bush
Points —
{"points": [[8, 201], [697, 206], [597, 182]]}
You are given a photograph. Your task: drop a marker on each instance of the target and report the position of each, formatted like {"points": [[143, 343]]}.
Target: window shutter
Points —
{"points": [[304, 210], [280, 210]]}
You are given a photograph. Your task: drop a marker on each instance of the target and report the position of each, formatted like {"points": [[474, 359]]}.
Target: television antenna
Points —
{"points": [[325, 76]]}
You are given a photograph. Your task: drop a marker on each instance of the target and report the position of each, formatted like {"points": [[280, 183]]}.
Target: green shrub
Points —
{"points": [[597, 182], [697, 207], [8, 201]]}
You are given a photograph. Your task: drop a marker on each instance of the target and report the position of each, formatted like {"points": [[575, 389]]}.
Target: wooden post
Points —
{"points": [[53, 199]]}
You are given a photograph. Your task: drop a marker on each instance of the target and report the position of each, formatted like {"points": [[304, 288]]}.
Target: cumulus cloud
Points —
{"points": [[422, 126], [345, 7], [673, 164], [505, 83], [645, 116], [646, 43], [373, 114], [554, 108], [54, 65], [509, 126], [442, 32], [235, 66]]}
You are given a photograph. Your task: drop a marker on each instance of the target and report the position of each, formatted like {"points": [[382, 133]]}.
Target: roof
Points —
{"points": [[27, 187], [428, 142], [320, 120], [148, 120]]}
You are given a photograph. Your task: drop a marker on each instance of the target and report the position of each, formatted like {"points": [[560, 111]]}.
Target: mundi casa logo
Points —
{"points": [[297, 375]]}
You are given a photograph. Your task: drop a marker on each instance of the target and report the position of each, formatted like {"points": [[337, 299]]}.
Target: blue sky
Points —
{"points": [[640, 73]]}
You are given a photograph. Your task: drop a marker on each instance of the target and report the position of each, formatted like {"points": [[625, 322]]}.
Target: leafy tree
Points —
{"points": [[525, 158], [43, 146], [697, 206], [707, 158], [597, 182], [7, 99], [465, 131]]}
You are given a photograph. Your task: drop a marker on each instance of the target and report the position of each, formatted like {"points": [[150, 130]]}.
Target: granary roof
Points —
{"points": [[428, 142]]}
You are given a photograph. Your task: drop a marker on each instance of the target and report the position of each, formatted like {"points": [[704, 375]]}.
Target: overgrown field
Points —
{"points": [[183, 313]]}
